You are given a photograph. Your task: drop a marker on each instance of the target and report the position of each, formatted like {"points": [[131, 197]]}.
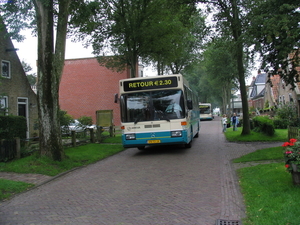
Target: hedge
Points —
{"points": [[264, 124], [12, 126]]}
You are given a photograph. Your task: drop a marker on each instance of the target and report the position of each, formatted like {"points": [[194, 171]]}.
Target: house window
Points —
{"points": [[5, 69], [3, 105]]}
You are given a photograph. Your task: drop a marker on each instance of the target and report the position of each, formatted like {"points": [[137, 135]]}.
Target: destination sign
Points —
{"points": [[151, 83]]}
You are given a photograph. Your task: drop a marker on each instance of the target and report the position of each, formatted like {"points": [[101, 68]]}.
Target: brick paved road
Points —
{"points": [[167, 185]]}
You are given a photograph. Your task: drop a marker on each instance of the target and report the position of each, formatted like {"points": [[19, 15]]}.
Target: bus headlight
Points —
{"points": [[177, 133], [130, 136]]}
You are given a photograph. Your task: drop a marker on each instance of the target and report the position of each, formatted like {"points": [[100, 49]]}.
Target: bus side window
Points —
{"points": [[190, 104]]}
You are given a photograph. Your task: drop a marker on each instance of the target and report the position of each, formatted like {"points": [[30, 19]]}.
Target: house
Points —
{"points": [[256, 91], [87, 87], [236, 104], [272, 91], [272, 94], [16, 95]]}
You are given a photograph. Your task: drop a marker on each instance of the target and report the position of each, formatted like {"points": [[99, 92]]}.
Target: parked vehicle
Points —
{"points": [[77, 127]]}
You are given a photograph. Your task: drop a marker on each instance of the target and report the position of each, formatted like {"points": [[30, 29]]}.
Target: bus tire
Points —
{"points": [[141, 148], [188, 145], [197, 135]]}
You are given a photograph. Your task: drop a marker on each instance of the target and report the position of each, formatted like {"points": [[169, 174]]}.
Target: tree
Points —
{"points": [[178, 41], [221, 69], [31, 77], [44, 14], [231, 21], [216, 74], [274, 26], [147, 29]]}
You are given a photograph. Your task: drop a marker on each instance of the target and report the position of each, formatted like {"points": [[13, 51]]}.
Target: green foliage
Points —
{"points": [[152, 30], [274, 28], [264, 124], [287, 114], [13, 126], [64, 118], [85, 120], [280, 123]]}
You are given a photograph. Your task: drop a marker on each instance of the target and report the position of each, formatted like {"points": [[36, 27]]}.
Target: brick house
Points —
{"points": [[16, 95], [86, 87]]}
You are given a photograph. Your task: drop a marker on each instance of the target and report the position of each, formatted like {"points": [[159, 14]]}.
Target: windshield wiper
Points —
{"points": [[166, 117], [137, 119]]}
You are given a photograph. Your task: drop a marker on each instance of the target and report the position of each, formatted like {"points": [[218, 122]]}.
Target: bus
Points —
{"points": [[205, 111], [160, 110]]}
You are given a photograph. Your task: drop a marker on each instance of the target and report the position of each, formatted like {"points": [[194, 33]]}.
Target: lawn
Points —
{"points": [[270, 196], [268, 189], [235, 136]]}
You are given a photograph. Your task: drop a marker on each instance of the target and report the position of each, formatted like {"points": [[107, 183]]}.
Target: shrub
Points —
{"points": [[85, 120], [12, 126], [287, 113], [64, 118], [280, 123], [264, 124]]}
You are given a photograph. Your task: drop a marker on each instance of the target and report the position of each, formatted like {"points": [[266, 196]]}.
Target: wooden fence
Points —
{"points": [[12, 149], [293, 132]]}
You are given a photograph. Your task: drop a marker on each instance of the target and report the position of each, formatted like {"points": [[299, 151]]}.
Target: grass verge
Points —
{"points": [[235, 136], [77, 156], [9, 188], [274, 153], [270, 196]]}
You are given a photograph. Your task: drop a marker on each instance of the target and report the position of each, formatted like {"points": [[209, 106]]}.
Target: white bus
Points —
{"points": [[160, 110], [206, 112]]}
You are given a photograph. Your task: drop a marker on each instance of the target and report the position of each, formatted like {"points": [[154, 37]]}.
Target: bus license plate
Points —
{"points": [[153, 141]]}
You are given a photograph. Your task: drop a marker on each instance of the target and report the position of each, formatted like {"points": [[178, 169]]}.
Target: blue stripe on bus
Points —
{"points": [[164, 137]]}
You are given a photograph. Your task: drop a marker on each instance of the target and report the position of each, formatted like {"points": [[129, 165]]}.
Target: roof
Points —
{"points": [[259, 80]]}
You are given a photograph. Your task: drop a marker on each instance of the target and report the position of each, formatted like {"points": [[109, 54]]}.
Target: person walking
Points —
{"points": [[224, 122], [234, 121]]}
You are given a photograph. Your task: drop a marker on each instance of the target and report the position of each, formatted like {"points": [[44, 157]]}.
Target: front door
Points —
{"points": [[23, 111]]}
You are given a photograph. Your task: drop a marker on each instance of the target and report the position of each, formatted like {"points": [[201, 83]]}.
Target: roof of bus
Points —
{"points": [[158, 76]]}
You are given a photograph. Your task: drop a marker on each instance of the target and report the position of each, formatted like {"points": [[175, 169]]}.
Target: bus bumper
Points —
{"points": [[156, 139]]}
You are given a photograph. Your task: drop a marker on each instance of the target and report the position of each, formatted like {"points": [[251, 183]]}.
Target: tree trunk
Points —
{"points": [[225, 99], [133, 66], [237, 34], [50, 65]]}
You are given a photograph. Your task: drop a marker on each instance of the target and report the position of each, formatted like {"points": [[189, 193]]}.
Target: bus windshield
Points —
{"points": [[153, 105], [205, 109]]}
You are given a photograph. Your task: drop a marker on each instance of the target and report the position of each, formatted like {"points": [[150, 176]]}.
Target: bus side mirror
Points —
{"points": [[190, 104], [116, 98]]}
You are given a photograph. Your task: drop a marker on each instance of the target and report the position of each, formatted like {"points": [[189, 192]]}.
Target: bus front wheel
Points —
{"points": [[141, 148], [188, 145]]}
